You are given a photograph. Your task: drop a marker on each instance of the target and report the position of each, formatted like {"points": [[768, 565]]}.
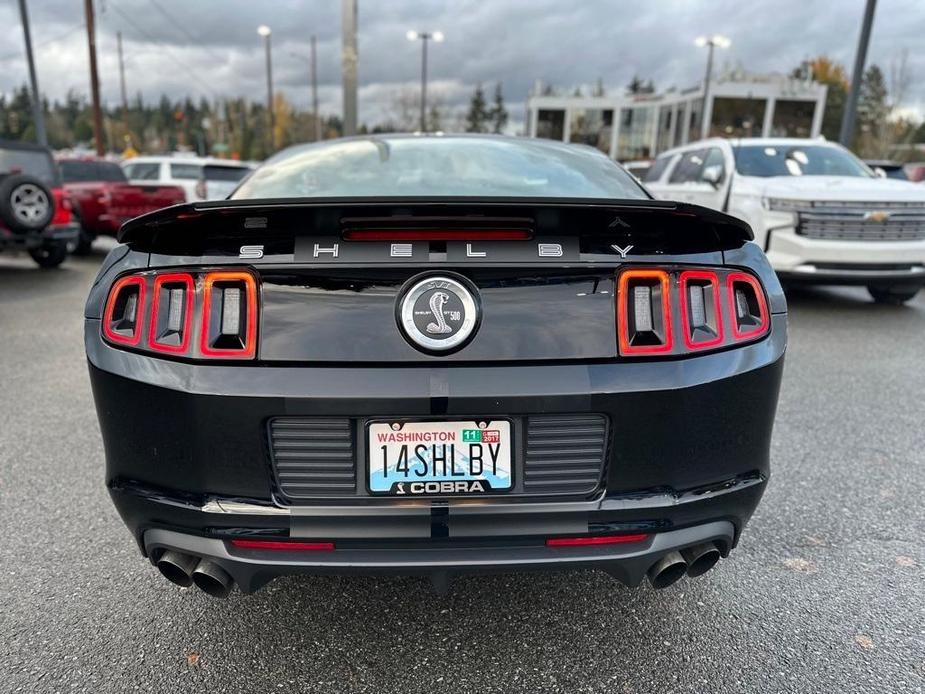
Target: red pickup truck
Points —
{"points": [[102, 197]]}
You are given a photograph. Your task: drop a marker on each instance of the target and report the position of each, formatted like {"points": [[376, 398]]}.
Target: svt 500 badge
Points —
{"points": [[439, 313]]}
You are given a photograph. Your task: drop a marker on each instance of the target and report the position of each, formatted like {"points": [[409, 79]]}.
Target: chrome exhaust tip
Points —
{"points": [[210, 578], [700, 558], [667, 570], [177, 567]]}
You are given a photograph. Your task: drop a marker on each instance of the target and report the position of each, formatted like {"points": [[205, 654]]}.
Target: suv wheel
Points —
{"points": [[26, 204], [895, 295], [49, 255]]}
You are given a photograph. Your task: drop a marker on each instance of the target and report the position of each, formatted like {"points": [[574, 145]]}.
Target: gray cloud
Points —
{"points": [[210, 48]]}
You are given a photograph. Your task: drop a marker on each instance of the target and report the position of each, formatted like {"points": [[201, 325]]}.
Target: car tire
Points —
{"points": [[26, 204], [49, 255], [893, 295]]}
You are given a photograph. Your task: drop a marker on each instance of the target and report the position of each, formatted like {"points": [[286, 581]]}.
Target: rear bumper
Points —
{"points": [[56, 233], [187, 452], [251, 569]]}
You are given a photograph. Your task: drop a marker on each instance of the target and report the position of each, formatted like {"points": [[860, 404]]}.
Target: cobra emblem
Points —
{"points": [[436, 307]]}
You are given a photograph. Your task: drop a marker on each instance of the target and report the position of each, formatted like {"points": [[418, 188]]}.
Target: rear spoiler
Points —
{"points": [[671, 226]]}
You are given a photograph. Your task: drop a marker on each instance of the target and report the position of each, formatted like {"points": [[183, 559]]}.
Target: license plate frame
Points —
{"points": [[489, 421]]}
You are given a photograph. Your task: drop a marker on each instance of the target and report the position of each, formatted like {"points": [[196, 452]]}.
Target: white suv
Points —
{"points": [[820, 214], [201, 178]]}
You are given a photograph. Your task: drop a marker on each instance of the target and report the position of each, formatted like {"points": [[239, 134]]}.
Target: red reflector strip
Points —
{"points": [[595, 540], [437, 235], [283, 545]]}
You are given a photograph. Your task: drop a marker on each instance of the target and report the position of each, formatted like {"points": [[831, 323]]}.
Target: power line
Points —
{"points": [[179, 27], [46, 42], [184, 66]]}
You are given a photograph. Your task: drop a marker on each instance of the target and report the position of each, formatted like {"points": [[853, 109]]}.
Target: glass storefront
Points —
{"points": [[592, 126], [793, 118], [550, 123], [737, 117], [637, 128]]}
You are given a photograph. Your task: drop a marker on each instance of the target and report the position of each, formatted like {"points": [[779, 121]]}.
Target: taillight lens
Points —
{"points": [[710, 308], [645, 322], [220, 307], [229, 316], [124, 311]]}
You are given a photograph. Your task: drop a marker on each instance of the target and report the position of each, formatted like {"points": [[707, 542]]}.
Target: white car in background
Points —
{"points": [[819, 212], [202, 178]]}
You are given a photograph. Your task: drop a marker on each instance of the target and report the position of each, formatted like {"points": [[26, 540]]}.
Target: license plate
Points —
{"points": [[439, 458]]}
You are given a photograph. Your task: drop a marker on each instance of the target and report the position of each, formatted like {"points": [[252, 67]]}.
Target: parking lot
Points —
{"points": [[826, 592]]}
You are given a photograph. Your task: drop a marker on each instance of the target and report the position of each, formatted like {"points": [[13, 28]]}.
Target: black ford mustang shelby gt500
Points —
{"points": [[435, 355]]}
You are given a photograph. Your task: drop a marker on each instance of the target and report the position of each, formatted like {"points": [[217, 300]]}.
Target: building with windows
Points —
{"points": [[629, 127]]}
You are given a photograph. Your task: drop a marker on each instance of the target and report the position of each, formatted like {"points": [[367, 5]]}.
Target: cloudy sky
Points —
{"points": [[210, 48]]}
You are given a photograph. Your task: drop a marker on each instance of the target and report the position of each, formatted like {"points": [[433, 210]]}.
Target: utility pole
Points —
{"points": [[349, 64], [38, 112], [851, 108], [122, 87], [314, 71], [424, 37], [94, 80]]}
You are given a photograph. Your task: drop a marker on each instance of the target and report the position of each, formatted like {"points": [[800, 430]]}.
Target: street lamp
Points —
{"points": [[710, 42], [312, 63], [265, 32], [424, 36]]}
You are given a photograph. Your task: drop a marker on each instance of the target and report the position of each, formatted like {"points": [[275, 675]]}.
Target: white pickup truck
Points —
{"points": [[819, 212]]}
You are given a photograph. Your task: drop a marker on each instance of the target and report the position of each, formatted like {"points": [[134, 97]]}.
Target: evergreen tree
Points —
{"points": [[498, 113], [477, 116]]}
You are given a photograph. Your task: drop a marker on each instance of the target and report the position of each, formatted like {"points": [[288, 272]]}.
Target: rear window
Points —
{"points": [[797, 160], [32, 162], [143, 171], [82, 171], [440, 166], [186, 171], [231, 174]]}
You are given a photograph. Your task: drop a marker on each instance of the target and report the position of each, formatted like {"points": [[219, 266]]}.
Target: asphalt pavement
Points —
{"points": [[826, 592]]}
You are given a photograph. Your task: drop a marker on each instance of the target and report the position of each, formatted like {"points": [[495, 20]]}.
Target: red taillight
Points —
{"points": [[63, 207], [595, 540], [221, 305], [437, 235], [124, 311], [712, 308], [283, 545], [701, 314], [229, 316], [644, 312], [748, 308], [172, 313]]}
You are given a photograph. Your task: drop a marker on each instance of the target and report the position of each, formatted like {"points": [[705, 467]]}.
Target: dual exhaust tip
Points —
{"points": [[186, 570], [692, 562]]}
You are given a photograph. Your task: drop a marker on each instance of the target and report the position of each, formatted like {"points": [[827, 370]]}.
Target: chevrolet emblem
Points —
{"points": [[876, 216]]}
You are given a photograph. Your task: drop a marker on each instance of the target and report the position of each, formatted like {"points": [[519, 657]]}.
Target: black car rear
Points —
{"points": [[435, 384]]}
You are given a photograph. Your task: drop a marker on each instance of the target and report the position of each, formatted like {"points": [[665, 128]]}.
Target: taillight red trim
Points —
{"points": [[250, 338], [283, 545], [595, 540], [437, 235], [119, 285], [173, 278], [623, 310], [764, 324], [711, 277]]}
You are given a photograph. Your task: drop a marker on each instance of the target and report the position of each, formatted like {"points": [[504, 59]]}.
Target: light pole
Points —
{"points": [[851, 108], [313, 73], [424, 36], [711, 42], [38, 111], [265, 32]]}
